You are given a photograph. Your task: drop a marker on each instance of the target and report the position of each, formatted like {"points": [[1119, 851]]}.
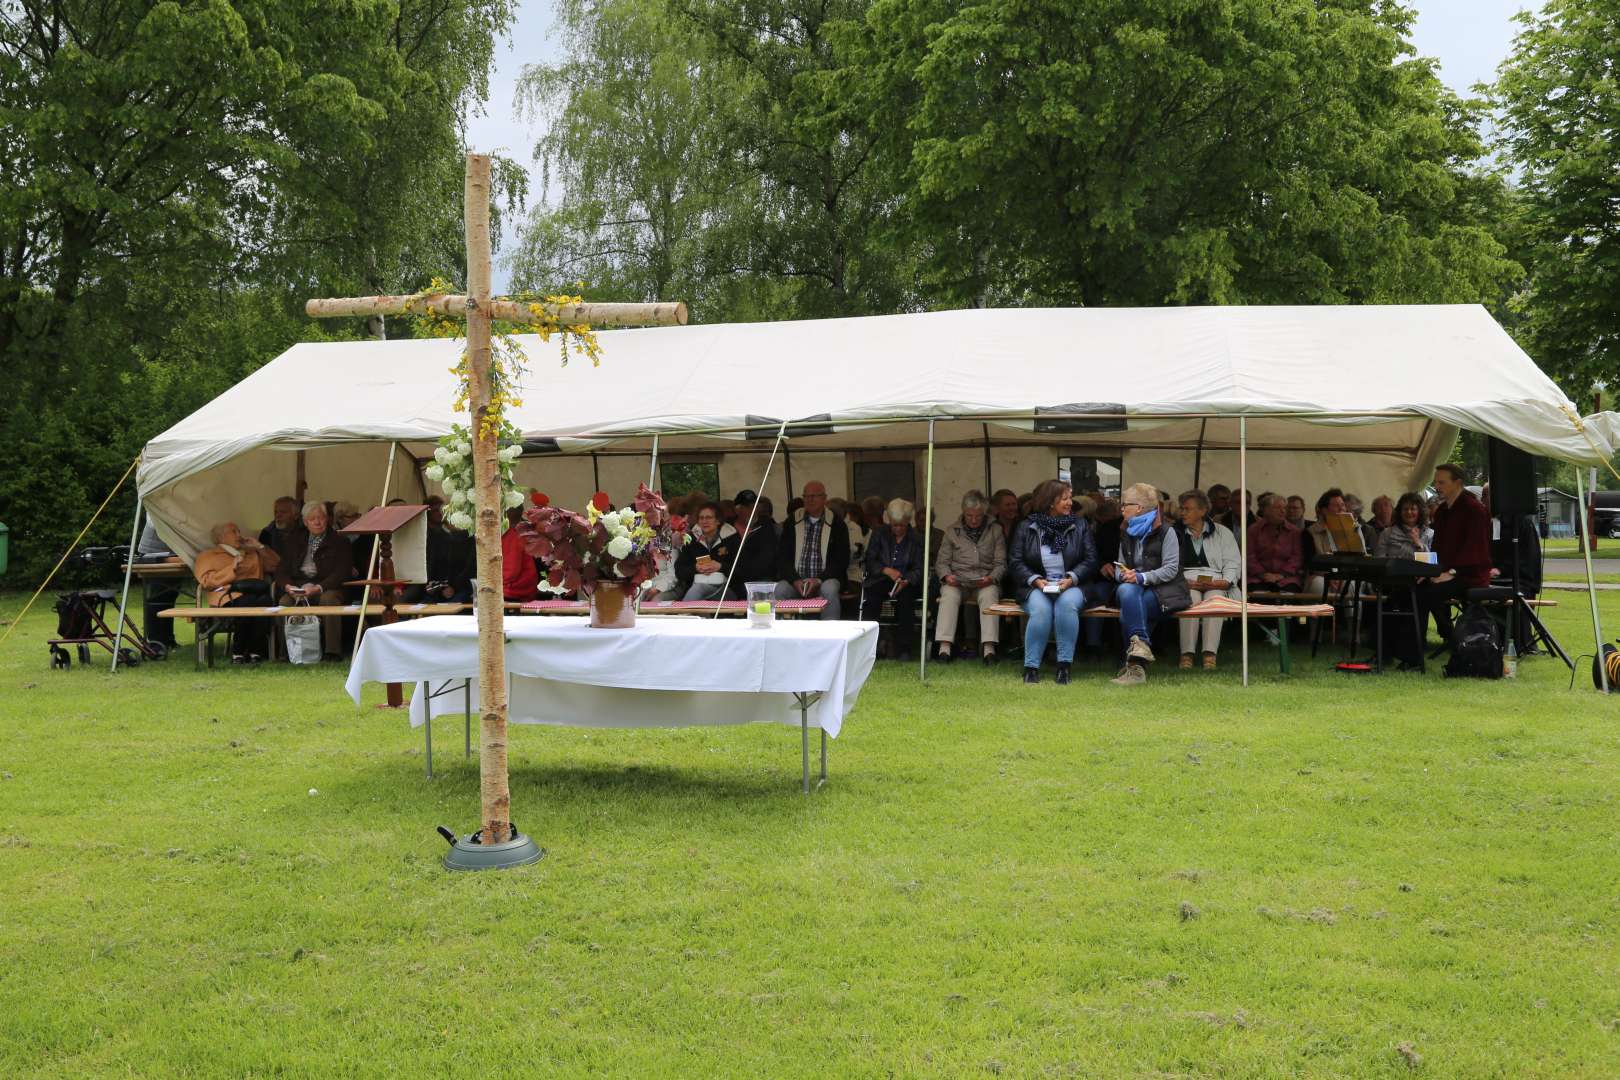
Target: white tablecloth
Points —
{"points": [[666, 672]]}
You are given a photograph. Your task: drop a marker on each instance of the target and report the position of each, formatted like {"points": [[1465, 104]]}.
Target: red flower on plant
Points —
{"points": [[539, 498], [601, 501]]}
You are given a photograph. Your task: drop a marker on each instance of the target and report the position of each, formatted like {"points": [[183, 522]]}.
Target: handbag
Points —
{"points": [[303, 637]]}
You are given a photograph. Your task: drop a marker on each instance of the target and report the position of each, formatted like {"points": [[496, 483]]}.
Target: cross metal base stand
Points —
{"points": [[806, 700], [466, 853], [448, 687]]}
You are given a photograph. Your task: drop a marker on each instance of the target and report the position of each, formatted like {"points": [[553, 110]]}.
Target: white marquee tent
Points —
{"points": [[1368, 398]]}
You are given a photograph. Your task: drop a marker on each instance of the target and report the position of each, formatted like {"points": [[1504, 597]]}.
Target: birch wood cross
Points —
{"points": [[480, 310]]}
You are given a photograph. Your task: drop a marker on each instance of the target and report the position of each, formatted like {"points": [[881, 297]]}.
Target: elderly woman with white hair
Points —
{"points": [[314, 565], [894, 572], [1213, 566], [1147, 577], [972, 558]]}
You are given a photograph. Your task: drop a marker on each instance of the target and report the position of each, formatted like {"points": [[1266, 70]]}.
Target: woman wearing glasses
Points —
{"points": [[1147, 577], [1053, 558]]}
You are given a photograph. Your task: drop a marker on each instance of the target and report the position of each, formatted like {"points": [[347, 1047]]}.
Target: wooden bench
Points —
{"points": [[211, 620], [1220, 608]]}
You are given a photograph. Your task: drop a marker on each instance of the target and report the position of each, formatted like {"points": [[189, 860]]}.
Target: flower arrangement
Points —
{"points": [[602, 544], [452, 470]]}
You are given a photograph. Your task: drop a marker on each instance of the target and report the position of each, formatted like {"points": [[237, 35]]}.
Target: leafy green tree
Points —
{"points": [[175, 177], [712, 148], [1560, 104], [1152, 151]]}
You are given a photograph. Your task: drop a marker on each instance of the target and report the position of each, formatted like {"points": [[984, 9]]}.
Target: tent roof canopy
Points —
{"points": [[1381, 379]]}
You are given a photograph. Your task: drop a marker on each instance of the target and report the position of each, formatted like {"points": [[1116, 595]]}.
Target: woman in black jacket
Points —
{"points": [[1053, 558]]}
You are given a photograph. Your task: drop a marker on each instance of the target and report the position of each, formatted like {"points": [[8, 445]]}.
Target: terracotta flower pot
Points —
{"points": [[611, 606]]}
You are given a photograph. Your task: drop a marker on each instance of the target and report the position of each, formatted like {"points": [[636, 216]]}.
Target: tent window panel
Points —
{"points": [[1084, 472], [886, 479], [680, 478]]}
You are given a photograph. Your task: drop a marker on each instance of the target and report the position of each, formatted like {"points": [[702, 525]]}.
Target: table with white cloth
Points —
{"points": [[666, 672]]}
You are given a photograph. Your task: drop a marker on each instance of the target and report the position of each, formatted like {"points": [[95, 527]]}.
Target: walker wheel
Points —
{"points": [[156, 650], [60, 660], [128, 657], [84, 654]]}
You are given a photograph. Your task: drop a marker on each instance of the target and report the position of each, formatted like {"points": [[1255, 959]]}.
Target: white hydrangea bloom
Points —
{"points": [[434, 473], [462, 520], [442, 456], [514, 499], [463, 447], [458, 498], [620, 546]]}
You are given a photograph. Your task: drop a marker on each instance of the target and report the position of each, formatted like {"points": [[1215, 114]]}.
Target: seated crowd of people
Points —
{"points": [[1056, 552]]}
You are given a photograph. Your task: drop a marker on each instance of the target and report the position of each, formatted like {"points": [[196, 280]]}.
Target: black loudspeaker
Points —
{"points": [[1513, 479]]}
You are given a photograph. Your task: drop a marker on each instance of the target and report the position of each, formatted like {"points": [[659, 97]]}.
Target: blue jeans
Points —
{"points": [[1043, 611], [1138, 610]]}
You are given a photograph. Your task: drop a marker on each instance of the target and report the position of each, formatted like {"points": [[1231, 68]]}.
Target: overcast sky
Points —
{"points": [[1469, 38]]}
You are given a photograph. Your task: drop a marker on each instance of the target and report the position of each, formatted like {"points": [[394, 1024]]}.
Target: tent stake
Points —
{"points": [[928, 536], [1591, 585], [1243, 541], [129, 568]]}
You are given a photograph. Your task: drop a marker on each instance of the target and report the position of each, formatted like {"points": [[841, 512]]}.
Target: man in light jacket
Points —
{"points": [[972, 560], [812, 558]]}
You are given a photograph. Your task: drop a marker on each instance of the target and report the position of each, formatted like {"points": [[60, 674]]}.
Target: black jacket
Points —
{"points": [[1079, 555], [905, 556], [835, 564], [451, 557], [722, 551], [755, 558]]}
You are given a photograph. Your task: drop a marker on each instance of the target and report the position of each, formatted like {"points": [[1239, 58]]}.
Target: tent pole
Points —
{"points": [[376, 546], [1243, 541], [300, 486], [928, 536], [652, 470], [596, 475], [787, 467], [129, 568], [1198, 455], [752, 509], [1591, 586], [988, 485]]}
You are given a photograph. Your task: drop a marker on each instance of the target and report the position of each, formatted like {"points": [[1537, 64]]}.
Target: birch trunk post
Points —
{"points": [[480, 311], [495, 794]]}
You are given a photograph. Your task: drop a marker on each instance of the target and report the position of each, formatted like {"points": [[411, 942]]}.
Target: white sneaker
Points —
{"points": [[1130, 675], [1138, 650]]}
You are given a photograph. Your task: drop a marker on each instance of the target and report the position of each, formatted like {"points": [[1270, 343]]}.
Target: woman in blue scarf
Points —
{"points": [[1148, 578], [1053, 556]]}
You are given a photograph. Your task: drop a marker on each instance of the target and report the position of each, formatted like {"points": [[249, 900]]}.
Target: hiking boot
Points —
{"points": [[1032, 675], [1186, 661], [1138, 650], [1130, 675], [1209, 661], [1062, 673]]}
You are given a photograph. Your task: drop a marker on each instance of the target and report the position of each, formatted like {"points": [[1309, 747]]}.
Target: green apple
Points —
{"points": [[762, 607]]}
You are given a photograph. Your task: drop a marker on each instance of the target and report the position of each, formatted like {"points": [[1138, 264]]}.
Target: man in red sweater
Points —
{"points": [[1462, 542]]}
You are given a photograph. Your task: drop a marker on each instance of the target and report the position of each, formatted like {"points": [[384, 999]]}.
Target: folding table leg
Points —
{"points": [[1283, 663], [823, 757], [804, 741], [427, 728]]}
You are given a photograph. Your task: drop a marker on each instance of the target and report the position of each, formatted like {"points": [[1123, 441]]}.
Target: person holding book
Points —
{"points": [[701, 566], [812, 557], [894, 572], [1053, 561], [1212, 565]]}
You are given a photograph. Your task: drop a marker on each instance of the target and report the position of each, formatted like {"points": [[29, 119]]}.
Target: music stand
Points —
{"points": [[406, 528]]}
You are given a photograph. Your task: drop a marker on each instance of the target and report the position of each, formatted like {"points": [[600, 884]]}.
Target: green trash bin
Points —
{"points": [[5, 546]]}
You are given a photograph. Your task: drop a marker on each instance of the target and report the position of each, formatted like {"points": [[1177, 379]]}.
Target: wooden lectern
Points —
{"points": [[401, 533]]}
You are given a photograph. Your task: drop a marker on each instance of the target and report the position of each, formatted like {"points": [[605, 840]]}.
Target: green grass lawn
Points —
{"points": [[1571, 549], [1323, 875]]}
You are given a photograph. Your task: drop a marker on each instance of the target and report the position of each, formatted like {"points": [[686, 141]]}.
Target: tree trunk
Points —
{"points": [[496, 797]]}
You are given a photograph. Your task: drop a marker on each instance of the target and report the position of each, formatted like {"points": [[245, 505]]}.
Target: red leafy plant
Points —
{"points": [[625, 546]]}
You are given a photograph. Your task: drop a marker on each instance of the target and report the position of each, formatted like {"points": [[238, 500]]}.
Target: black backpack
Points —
{"points": [[1476, 646], [74, 616]]}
